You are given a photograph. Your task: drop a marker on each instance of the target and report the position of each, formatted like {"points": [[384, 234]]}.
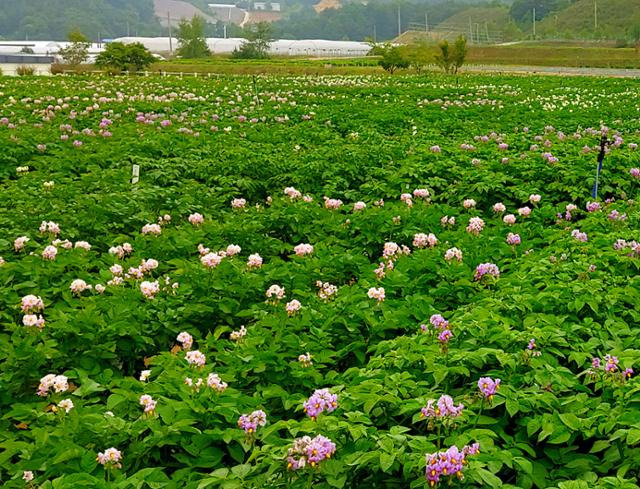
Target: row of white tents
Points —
{"points": [[164, 46]]}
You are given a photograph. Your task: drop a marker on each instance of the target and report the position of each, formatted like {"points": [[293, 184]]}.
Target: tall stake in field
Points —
{"points": [[603, 144]]}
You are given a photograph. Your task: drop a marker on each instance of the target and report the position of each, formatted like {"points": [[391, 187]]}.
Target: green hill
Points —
{"points": [[616, 18], [53, 19], [487, 24]]}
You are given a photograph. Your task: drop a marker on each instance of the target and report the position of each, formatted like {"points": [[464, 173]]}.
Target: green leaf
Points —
{"points": [[489, 478], [634, 436], [571, 420], [386, 460], [599, 446], [525, 465], [241, 471]]}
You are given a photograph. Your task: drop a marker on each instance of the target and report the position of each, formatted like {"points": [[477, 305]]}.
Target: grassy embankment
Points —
{"points": [[517, 54]]}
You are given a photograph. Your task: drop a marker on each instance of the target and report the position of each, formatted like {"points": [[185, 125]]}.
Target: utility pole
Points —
{"points": [[128, 30], [426, 22], [534, 22], [375, 37], [170, 34], [470, 30], [595, 14], [399, 25], [486, 29]]}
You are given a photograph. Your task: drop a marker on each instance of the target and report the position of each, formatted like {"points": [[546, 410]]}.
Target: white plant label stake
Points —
{"points": [[135, 174]]}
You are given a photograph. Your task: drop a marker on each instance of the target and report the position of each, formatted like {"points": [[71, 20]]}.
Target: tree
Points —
{"points": [[392, 58], [418, 55], [77, 52], [451, 59], [191, 38], [125, 57], [258, 39], [459, 53]]}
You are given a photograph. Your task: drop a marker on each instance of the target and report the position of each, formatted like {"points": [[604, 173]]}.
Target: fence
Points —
{"points": [[475, 32]]}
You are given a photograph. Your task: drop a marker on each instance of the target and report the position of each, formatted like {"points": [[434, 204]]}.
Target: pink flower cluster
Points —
{"points": [[275, 292], [309, 451], [475, 226], [422, 240], [392, 251], [444, 408], [453, 254], [49, 253], [499, 207], [186, 340], [449, 463], [31, 303], [211, 260], [239, 334], [59, 383], [513, 239], [303, 249], [292, 193], [406, 198], [215, 382], [488, 387], [196, 358], [238, 203], [359, 206], [150, 289], [110, 458], [332, 204], [486, 269], [305, 359], [196, 219], [121, 251], [326, 291], [148, 403], [30, 320], [615, 215], [579, 235], [153, 229], [293, 307], [49, 227], [421, 193], [376, 293], [469, 204], [254, 261], [78, 286], [635, 173], [321, 400], [19, 243], [593, 206], [250, 422]]}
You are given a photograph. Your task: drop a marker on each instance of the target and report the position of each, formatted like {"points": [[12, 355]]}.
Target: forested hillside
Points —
{"points": [[53, 19]]}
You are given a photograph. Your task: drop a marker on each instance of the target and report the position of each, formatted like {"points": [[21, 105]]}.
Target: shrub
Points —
{"points": [[24, 70], [392, 59], [124, 57]]}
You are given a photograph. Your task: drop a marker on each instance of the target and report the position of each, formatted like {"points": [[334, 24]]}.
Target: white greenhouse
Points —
{"points": [[305, 47]]}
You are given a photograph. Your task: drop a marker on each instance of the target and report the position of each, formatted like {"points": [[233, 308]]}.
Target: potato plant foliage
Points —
{"points": [[356, 260]]}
